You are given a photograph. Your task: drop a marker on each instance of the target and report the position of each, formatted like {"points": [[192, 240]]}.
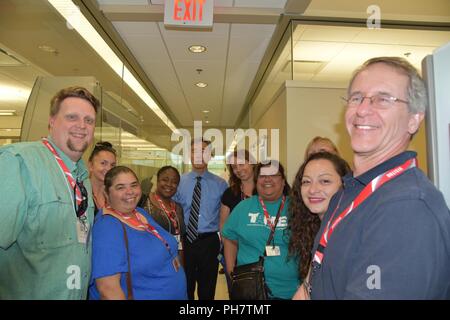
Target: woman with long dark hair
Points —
{"points": [[316, 181]]}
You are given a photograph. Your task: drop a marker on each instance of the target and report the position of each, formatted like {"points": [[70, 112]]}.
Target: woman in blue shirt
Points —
{"points": [[133, 257]]}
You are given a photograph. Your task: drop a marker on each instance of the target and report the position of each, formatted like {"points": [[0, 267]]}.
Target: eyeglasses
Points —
{"points": [[82, 207], [378, 100]]}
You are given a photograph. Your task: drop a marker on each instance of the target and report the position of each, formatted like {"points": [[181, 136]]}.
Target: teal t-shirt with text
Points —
{"points": [[248, 225]]}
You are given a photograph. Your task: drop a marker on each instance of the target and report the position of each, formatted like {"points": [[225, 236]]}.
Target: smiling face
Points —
{"points": [[380, 133], [244, 171], [270, 183], [124, 193], [319, 183], [72, 128], [101, 163], [167, 184]]}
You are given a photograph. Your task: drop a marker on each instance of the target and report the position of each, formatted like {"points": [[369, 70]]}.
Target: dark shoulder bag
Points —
{"points": [[129, 286], [248, 281]]}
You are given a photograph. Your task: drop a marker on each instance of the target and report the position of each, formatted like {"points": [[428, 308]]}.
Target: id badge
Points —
{"points": [[176, 264], [272, 251], [82, 231], [180, 244]]}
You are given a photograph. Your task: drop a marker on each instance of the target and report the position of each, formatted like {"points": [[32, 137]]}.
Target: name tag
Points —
{"points": [[82, 231], [272, 251], [180, 244]]}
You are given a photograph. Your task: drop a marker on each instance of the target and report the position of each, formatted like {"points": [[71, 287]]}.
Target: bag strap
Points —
{"points": [[129, 286]]}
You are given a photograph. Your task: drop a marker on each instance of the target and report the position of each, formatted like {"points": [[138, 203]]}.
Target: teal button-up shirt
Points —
{"points": [[40, 256]]}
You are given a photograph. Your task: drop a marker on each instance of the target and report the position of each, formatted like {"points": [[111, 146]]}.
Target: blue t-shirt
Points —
{"points": [[248, 226], [153, 275]]}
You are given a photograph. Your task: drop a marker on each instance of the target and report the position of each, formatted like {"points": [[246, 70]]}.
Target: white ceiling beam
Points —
{"points": [[155, 13]]}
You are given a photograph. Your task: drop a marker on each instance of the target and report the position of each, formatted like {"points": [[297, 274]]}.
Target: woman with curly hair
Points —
{"points": [[317, 180]]}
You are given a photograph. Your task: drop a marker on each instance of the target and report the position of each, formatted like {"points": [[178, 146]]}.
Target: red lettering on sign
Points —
{"points": [[188, 10], [200, 16], [176, 9], [187, 13]]}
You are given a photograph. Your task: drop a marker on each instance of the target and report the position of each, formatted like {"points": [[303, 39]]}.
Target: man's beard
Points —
{"points": [[74, 148]]}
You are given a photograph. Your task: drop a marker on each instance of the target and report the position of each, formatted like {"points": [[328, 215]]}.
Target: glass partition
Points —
{"points": [[40, 53]]}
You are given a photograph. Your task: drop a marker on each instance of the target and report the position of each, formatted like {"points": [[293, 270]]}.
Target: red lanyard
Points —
{"points": [[266, 214], [137, 221], [360, 198], [171, 214], [66, 170]]}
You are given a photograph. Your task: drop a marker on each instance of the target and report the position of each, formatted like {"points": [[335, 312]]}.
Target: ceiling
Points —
{"points": [[239, 46], [235, 50]]}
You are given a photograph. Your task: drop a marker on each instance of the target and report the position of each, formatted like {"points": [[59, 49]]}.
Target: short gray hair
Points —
{"points": [[416, 91]]}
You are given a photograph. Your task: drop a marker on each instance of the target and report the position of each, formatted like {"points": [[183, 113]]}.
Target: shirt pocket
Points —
{"points": [[56, 219]]}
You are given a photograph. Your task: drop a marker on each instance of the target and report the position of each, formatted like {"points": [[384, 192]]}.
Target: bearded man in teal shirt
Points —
{"points": [[46, 208]]}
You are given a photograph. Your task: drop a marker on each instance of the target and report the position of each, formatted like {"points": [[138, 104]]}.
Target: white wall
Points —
{"points": [[314, 110]]}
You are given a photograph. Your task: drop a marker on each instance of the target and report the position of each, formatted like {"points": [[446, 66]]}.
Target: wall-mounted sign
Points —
{"points": [[189, 13]]}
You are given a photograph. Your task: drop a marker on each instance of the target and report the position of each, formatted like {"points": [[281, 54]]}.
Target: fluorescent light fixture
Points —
{"points": [[205, 111], [197, 49], [77, 21], [7, 113], [201, 84], [12, 93]]}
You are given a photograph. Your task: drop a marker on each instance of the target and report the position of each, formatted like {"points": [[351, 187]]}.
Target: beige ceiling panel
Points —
{"points": [[402, 37], [122, 2], [388, 7], [223, 3], [260, 3], [326, 33], [127, 28], [317, 51], [219, 29], [216, 48]]}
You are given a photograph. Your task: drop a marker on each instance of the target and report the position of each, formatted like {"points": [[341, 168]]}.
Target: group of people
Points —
{"points": [[376, 230]]}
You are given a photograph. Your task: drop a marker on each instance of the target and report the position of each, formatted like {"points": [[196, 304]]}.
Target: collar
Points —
{"points": [[205, 175], [368, 176], [78, 169]]}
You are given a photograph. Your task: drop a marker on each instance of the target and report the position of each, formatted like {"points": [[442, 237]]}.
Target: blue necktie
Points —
{"points": [[192, 229]]}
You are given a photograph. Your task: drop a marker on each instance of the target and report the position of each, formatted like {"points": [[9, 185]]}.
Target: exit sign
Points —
{"points": [[189, 13]]}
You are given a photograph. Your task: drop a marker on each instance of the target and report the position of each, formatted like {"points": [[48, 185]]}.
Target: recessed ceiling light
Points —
{"points": [[201, 84], [197, 49], [207, 121], [205, 111]]}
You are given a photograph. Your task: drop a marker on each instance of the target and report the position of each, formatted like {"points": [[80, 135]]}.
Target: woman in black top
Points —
{"points": [[242, 185]]}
